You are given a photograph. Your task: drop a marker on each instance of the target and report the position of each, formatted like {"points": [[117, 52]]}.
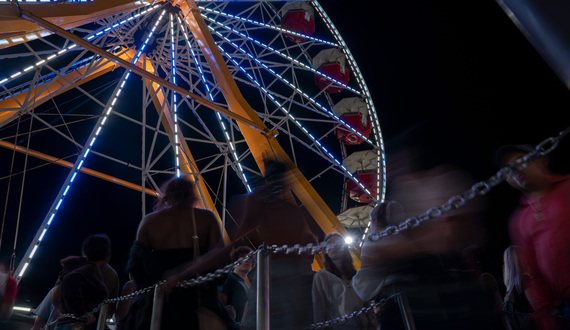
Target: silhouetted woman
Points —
{"points": [[175, 233]]}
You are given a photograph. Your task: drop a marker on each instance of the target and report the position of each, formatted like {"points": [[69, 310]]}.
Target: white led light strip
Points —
{"points": [[219, 116], [272, 27], [79, 163], [280, 106]]}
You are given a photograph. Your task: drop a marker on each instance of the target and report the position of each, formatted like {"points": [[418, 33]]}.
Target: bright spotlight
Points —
{"points": [[348, 240]]}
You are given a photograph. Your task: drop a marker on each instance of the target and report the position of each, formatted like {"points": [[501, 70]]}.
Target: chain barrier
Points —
{"points": [[481, 188], [354, 314]]}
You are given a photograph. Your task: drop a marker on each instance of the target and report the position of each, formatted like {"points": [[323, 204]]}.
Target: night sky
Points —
{"points": [[457, 76]]}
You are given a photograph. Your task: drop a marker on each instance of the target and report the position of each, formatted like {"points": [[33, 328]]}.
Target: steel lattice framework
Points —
{"points": [[136, 92]]}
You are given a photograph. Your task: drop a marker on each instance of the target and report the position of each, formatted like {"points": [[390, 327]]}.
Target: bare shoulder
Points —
{"points": [[204, 214], [146, 225], [150, 218], [206, 219]]}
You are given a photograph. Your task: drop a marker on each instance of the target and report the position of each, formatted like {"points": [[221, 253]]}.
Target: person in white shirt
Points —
{"points": [[333, 295]]}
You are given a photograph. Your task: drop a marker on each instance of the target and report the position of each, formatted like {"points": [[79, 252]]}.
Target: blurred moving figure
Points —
{"points": [[515, 303], [234, 292], [80, 287], [46, 313], [333, 295], [8, 291], [123, 306], [540, 230], [425, 266]]}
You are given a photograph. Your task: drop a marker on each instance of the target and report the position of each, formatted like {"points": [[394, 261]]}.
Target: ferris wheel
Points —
{"points": [[137, 92]]}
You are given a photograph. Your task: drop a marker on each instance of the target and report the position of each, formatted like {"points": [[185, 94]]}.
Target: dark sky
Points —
{"points": [[458, 75]]}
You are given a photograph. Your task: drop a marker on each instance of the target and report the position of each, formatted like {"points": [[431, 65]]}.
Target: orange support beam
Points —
{"points": [[40, 94], [61, 162], [261, 146], [15, 30]]}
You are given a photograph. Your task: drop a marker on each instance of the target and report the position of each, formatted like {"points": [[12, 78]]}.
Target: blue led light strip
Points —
{"points": [[71, 46], [219, 116], [80, 161], [174, 99], [272, 27], [280, 106], [289, 58], [46, 1]]}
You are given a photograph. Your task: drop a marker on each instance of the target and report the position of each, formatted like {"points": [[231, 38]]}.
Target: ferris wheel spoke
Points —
{"points": [[202, 78], [289, 60], [269, 26]]}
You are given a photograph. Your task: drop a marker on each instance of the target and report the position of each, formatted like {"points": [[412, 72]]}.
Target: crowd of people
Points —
{"points": [[426, 277]]}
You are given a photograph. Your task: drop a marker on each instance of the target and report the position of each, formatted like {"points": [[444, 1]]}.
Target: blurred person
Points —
{"points": [[123, 306], [234, 291], [101, 251], [539, 228], [333, 295], [174, 234], [473, 256], [270, 215], [80, 287], [515, 303], [8, 291], [46, 313], [425, 268]]}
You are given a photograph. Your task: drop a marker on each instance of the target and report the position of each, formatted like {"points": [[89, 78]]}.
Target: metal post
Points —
{"points": [[405, 311], [263, 319], [102, 319], [157, 307]]}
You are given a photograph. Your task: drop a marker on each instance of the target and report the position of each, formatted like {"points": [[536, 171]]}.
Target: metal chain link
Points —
{"points": [[354, 314], [478, 189], [218, 273], [197, 281]]}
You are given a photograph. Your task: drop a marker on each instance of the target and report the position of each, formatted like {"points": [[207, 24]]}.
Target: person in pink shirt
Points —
{"points": [[540, 227]]}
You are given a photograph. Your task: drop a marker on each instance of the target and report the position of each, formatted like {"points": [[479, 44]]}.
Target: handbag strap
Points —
{"points": [[195, 237]]}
